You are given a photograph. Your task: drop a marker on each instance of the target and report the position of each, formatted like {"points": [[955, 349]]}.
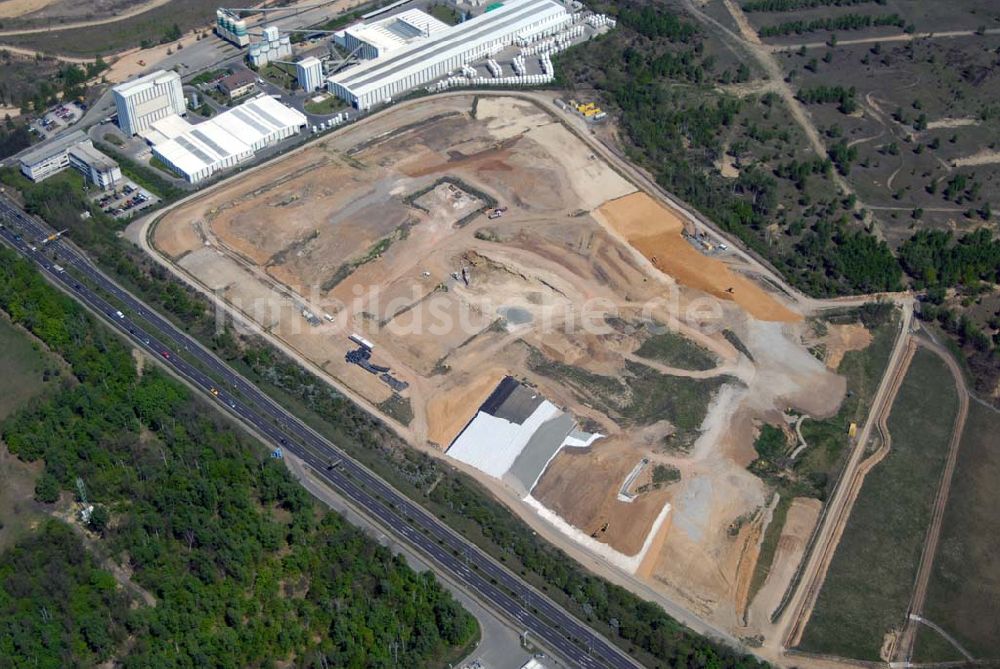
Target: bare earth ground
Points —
{"points": [[802, 516], [359, 227]]}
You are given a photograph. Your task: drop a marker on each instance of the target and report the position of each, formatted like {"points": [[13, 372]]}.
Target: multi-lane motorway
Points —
{"points": [[547, 623]]}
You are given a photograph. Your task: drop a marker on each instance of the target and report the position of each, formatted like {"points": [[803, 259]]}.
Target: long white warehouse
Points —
{"points": [[379, 80], [196, 152]]}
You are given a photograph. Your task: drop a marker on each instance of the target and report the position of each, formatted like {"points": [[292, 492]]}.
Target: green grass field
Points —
{"points": [[640, 396], [963, 596], [22, 366], [328, 105], [870, 579], [932, 647]]}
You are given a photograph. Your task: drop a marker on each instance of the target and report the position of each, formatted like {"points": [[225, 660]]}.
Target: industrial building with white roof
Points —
{"points": [[442, 52], [196, 152], [380, 38]]}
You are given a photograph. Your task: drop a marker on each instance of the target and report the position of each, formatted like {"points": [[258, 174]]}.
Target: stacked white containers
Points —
{"points": [[601, 21]]}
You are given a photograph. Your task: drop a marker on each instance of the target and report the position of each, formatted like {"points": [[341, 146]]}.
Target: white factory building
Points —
{"points": [[309, 72], [142, 101], [273, 46], [379, 80], [196, 152], [382, 37]]}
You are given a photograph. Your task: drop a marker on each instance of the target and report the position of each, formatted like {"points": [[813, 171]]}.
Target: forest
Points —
{"points": [[238, 565]]}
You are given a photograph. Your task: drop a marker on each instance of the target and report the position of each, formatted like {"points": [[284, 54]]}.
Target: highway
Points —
{"points": [[547, 623]]}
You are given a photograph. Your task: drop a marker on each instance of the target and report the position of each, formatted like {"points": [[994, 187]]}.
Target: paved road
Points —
{"points": [[549, 624]]}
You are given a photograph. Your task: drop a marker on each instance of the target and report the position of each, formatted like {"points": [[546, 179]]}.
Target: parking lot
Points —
{"points": [[57, 118], [126, 200]]}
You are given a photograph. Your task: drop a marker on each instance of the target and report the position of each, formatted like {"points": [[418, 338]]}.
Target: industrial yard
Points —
{"points": [[476, 252]]}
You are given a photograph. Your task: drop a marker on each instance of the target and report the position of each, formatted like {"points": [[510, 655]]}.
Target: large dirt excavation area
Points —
{"points": [[424, 256]]}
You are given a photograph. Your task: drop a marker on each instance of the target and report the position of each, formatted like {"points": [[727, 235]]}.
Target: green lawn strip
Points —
{"points": [[963, 595], [870, 579], [328, 105]]}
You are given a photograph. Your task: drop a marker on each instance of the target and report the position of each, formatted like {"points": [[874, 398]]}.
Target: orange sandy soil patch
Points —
{"points": [[581, 485], [843, 338], [655, 231], [450, 410], [176, 240], [799, 523]]}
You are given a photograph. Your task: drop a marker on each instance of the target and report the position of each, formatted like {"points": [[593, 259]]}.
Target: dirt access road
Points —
{"points": [[904, 648], [791, 623]]}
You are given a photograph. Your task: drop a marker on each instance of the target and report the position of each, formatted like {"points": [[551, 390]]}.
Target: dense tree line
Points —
{"points": [[14, 137], [832, 23], [844, 97], [653, 22], [935, 258], [243, 569], [793, 5]]}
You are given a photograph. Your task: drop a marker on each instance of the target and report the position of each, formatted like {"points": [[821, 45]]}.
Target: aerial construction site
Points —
{"points": [[471, 267]]}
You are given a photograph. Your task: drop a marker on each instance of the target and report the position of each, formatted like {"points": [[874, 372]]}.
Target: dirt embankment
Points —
{"points": [[799, 523], [657, 233], [449, 411]]}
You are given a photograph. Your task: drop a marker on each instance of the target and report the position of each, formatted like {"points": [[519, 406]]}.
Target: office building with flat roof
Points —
{"points": [[96, 167], [50, 157]]}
